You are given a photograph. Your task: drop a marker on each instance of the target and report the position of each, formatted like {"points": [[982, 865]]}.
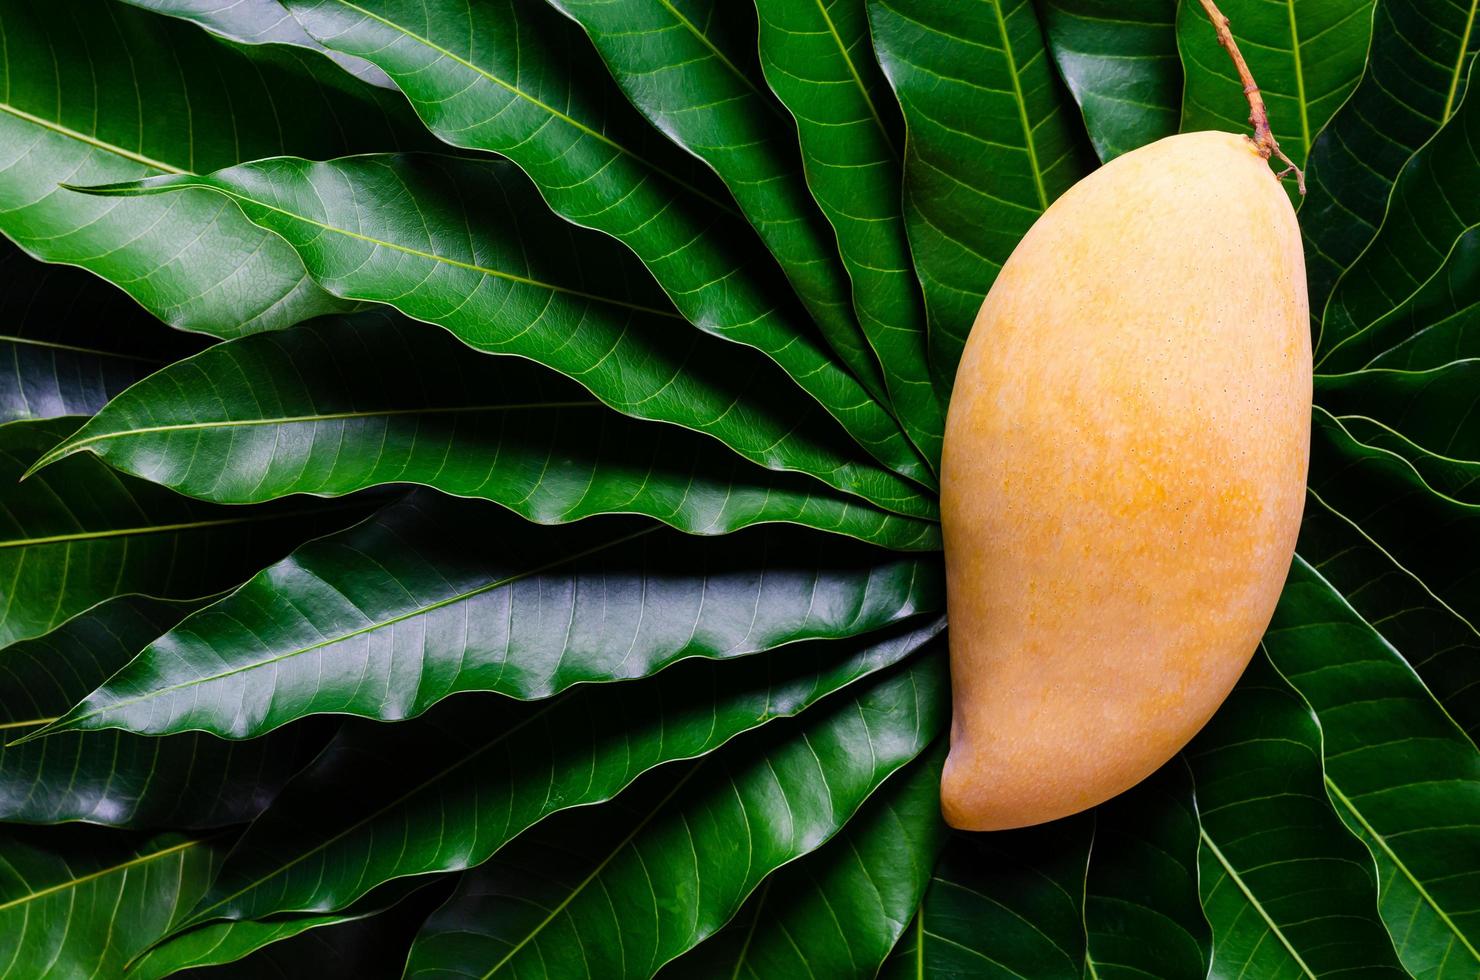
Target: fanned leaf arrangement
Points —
{"points": [[472, 509]]}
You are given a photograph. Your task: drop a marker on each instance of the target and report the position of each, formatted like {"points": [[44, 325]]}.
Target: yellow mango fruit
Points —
{"points": [[1123, 477]]}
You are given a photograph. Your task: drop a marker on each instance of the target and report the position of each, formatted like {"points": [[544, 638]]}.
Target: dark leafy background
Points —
{"points": [[467, 492]]}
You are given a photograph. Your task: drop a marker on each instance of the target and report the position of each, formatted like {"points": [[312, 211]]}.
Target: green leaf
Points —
{"points": [[69, 342], [260, 22], [368, 938], [992, 139], [1435, 203], [1002, 905], [96, 92], [1439, 642], [837, 912], [112, 777], [342, 623], [80, 901], [340, 404], [1120, 60], [690, 67], [487, 261], [619, 890], [1288, 891], [79, 533], [1396, 764], [447, 791], [1306, 56], [1414, 79], [538, 95], [1142, 913], [1433, 326], [1425, 417], [817, 59]]}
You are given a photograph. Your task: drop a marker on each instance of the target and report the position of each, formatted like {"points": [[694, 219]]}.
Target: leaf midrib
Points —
{"points": [[70, 447], [92, 141], [1249, 895], [1022, 105], [221, 188], [539, 104], [1398, 863], [70, 723], [124, 532], [1459, 63], [101, 873], [873, 109]]}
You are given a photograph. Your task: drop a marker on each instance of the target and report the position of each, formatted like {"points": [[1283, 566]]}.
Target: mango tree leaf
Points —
{"points": [[690, 67], [1001, 905], [260, 22], [69, 342], [339, 404], [98, 92], [1414, 79], [375, 621], [1288, 891], [1439, 642], [1393, 514], [113, 777], [838, 912], [992, 139], [1435, 203], [1433, 326], [1142, 912], [369, 938], [1396, 764], [487, 261], [1306, 57], [619, 890], [817, 59], [79, 533], [80, 901], [1120, 60], [502, 766], [516, 78]]}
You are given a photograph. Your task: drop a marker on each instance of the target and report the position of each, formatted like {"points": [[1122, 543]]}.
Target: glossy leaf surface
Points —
{"points": [[992, 138], [509, 277], [391, 616]]}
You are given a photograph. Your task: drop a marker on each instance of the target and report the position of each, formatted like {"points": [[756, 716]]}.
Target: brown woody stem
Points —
{"points": [[1264, 140]]}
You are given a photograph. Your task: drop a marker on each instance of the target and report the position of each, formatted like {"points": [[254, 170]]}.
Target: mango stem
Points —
{"points": [[1263, 138]]}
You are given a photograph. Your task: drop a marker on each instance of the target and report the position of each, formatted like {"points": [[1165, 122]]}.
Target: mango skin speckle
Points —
{"points": [[1123, 477]]}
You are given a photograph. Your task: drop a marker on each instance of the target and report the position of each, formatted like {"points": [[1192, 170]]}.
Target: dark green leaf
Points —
{"points": [[1414, 79], [368, 939], [78, 533], [1435, 203], [80, 901], [445, 792], [1396, 764], [837, 913], [96, 92], [1288, 891], [1001, 905], [1433, 326], [690, 67], [1119, 58], [1142, 912], [514, 77], [490, 263], [817, 59], [340, 404], [1306, 57], [113, 777], [69, 342], [619, 890], [1440, 643], [992, 140], [434, 596], [260, 22]]}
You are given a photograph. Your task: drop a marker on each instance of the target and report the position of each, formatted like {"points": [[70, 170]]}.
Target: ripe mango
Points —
{"points": [[1123, 477]]}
